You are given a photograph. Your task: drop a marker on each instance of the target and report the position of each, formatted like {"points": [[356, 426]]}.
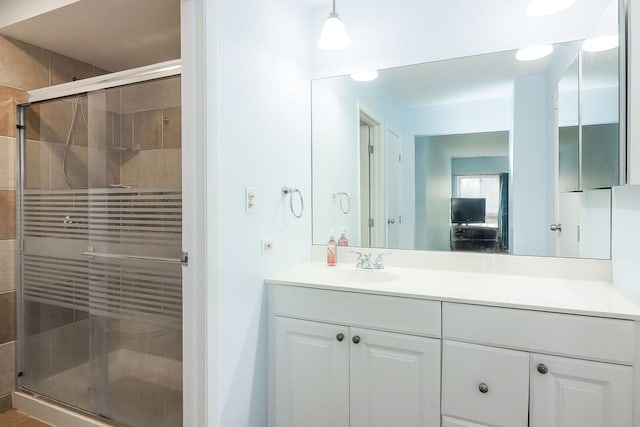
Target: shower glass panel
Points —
{"points": [[101, 284]]}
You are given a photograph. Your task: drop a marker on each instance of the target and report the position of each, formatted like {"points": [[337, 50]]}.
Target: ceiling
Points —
{"points": [[113, 35], [488, 76]]}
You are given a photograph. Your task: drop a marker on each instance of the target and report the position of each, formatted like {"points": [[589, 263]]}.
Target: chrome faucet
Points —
{"points": [[364, 261], [379, 262]]}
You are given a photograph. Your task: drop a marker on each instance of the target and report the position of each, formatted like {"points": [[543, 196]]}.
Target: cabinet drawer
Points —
{"points": [[485, 384], [454, 422], [608, 340], [387, 313]]}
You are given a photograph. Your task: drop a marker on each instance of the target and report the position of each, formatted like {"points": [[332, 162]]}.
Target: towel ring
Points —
{"points": [[290, 192], [341, 196]]}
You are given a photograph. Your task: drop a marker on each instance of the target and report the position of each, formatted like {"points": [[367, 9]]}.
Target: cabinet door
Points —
{"points": [[395, 380], [311, 374], [578, 393]]}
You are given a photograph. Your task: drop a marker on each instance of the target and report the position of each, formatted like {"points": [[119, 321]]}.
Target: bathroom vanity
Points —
{"points": [[411, 346]]}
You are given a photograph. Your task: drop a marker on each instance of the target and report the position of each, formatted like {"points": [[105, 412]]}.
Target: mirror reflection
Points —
{"points": [[484, 153]]}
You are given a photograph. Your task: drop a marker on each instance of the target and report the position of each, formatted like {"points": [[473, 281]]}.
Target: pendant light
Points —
{"points": [[333, 35]]}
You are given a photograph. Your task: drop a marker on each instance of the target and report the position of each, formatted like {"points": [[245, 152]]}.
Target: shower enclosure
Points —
{"points": [[100, 250]]}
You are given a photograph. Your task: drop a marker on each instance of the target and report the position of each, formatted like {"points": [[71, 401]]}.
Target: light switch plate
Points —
{"points": [[250, 200]]}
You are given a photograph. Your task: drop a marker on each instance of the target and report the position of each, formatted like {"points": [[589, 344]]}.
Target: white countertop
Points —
{"points": [[563, 295]]}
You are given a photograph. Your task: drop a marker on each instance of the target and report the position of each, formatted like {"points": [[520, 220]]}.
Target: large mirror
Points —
{"points": [[486, 153]]}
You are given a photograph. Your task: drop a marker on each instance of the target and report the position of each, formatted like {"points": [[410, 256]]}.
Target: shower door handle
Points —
{"points": [[184, 257]]}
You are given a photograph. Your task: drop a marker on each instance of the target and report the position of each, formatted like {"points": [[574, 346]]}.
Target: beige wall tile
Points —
{"points": [[37, 164], [7, 162], [113, 169], [113, 100], [70, 345], [172, 168], [37, 356], [163, 93], [55, 120], [8, 97], [6, 403], [126, 130], [7, 265], [97, 168], [7, 317], [147, 129], [32, 121], [171, 127], [7, 368], [23, 65], [133, 98], [76, 166], [65, 69], [7, 215], [40, 317], [130, 169]]}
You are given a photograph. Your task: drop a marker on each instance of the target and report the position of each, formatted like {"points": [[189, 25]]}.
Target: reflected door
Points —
{"points": [[101, 221], [393, 188], [569, 234]]}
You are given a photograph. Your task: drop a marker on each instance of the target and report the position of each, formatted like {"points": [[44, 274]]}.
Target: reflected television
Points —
{"points": [[468, 210]]}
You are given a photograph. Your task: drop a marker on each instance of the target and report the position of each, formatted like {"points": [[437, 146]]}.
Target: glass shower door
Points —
{"points": [[101, 207]]}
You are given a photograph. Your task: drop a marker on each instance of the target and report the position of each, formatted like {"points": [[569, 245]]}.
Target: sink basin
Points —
{"points": [[361, 276]]}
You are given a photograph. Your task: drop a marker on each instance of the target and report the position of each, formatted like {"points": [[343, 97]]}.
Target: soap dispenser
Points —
{"points": [[332, 249], [343, 241]]}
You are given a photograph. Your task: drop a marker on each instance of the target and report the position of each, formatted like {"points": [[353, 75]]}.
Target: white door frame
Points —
{"points": [[377, 182], [199, 280]]}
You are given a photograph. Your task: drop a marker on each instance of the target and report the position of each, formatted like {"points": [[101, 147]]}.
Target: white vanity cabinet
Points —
{"points": [[343, 357], [344, 373], [487, 384]]}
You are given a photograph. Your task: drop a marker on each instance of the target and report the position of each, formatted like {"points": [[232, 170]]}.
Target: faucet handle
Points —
{"points": [[364, 260], [361, 255], [379, 261]]}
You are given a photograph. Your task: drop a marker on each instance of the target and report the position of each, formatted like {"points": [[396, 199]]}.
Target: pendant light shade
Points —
{"points": [[333, 35]]}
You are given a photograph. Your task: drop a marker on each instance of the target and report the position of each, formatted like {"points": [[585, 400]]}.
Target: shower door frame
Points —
{"points": [[80, 87]]}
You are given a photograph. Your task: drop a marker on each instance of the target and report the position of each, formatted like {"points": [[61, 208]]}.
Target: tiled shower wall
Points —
{"points": [[22, 67]]}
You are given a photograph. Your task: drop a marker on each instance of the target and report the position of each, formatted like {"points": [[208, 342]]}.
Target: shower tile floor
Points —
{"points": [[15, 418]]}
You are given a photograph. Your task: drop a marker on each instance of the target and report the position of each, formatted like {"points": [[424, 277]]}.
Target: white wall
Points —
{"points": [[433, 191], [530, 146], [484, 115], [263, 101]]}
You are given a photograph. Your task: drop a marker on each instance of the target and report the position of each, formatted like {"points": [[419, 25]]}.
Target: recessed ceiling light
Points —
{"points": [[365, 76], [600, 44], [548, 7], [532, 53]]}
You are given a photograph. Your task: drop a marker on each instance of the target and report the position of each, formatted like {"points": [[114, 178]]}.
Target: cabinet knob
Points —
{"points": [[340, 337], [483, 388], [356, 339], [542, 368]]}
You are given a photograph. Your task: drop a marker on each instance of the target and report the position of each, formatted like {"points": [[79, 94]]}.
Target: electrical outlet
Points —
{"points": [[267, 246], [250, 200]]}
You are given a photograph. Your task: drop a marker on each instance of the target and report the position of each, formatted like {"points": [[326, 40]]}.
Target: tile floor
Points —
{"points": [[15, 418]]}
